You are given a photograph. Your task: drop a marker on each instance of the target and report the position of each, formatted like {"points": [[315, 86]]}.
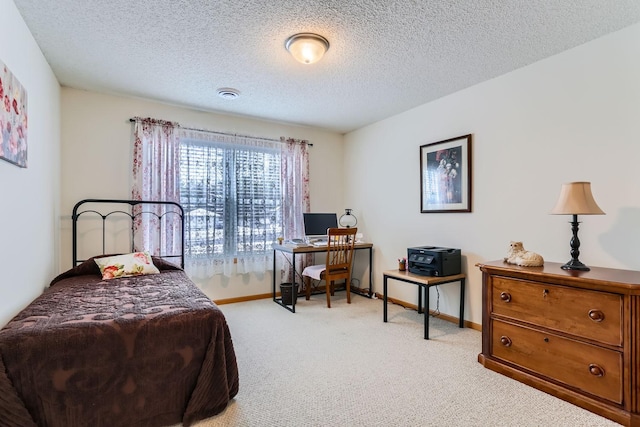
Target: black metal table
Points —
{"points": [[424, 283], [302, 250]]}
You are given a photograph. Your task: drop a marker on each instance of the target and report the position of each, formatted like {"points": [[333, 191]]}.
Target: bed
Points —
{"points": [[143, 350]]}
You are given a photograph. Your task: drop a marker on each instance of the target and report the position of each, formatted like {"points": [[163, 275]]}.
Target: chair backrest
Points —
{"points": [[340, 253]]}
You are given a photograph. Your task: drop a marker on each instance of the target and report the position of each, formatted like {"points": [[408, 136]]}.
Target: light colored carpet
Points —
{"points": [[344, 367]]}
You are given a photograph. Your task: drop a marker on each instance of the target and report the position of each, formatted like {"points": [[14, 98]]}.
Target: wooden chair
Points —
{"points": [[340, 247]]}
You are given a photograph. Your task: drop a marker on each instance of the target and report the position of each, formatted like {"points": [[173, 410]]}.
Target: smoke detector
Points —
{"points": [[228, 93]]}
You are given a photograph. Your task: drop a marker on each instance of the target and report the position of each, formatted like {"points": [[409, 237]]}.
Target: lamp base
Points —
{"points": [[574, 264]]}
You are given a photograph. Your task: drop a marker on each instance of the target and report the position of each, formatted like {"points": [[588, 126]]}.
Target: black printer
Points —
{"points": [[433, 261]]}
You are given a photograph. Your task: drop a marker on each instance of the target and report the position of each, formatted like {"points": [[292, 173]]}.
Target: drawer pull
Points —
{"points": [[596, 315], [505, 340], [545, 293], [596, 370], [546, 339], [505, 296]]}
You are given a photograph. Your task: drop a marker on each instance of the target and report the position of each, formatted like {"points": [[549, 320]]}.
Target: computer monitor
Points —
{"points": [[316, 224]]}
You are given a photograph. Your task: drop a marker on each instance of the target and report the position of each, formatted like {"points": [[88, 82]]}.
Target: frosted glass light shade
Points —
{"points": [[347, 219], [576, 199], [307, 48]]}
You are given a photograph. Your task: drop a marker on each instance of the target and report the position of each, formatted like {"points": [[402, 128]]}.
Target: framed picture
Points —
{"points": [[445, 175], [13, 119]]}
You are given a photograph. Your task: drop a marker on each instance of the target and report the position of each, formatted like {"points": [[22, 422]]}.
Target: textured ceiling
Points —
{"points": [[385, 56]]}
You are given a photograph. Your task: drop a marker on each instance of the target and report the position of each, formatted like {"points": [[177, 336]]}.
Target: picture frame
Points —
{"points": [[445, 175], [13, 118]]}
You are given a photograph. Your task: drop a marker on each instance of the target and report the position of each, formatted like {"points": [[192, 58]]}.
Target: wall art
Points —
{"points": [[13, 118], [445, 175]]}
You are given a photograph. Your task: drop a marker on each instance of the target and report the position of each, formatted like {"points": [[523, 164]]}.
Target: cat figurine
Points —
{"points": [[519, 256]]}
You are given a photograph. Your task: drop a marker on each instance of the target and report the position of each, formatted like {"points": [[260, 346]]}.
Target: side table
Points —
{"points": [[423, 283]]}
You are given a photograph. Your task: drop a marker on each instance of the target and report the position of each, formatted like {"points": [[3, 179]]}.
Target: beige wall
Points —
{"points": [[571, 117], [29, 208], [96, 162]]}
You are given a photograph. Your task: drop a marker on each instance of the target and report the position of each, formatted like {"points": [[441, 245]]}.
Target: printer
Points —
{"points": [[433, 261]]}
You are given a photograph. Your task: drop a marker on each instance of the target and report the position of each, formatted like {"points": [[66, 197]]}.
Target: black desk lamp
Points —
{"points": [[576, 199]]}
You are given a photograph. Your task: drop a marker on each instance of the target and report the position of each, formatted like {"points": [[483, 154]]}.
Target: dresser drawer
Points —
{"points": [[588, 314], [587, 367]]}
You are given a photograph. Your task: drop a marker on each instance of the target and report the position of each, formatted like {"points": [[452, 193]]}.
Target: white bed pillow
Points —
{"points": [[127, 265]]}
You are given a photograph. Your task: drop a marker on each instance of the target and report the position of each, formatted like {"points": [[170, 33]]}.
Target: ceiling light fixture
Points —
{"points": [[228, 93], [307, 47]]}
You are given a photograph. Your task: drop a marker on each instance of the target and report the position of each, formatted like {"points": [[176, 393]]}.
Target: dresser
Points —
{"points": [[572, 334]]}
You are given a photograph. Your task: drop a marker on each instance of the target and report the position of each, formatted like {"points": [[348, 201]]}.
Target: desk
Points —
{"points": [[308, 250], [424, 283]]}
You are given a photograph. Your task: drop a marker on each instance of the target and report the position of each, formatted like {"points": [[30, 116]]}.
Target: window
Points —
{"points": [[232, 196], [239, 194]]}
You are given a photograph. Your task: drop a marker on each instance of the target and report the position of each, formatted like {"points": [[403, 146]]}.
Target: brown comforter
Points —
{"points": [[140, 351]]}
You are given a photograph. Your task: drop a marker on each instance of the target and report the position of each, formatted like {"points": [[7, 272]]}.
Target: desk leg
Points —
{"points": [[461, 324], [426, 311], [274, 275], [294, 289], [420, 299], [384, 299], [370, 272]]}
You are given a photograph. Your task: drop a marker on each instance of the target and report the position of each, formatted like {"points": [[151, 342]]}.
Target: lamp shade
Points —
{"points": [[576, 199], [347, 219], [307, 48]]}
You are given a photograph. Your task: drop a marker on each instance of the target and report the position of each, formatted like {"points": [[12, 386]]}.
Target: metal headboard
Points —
{"points": [[173, 208]]}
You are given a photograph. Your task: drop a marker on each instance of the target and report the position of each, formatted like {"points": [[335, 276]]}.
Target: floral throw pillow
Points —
{"points": [[134, 264]]}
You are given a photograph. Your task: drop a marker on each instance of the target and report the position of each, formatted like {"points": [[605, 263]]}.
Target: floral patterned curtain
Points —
{"points": [[295, 192], [156, 176], [156, 167]]}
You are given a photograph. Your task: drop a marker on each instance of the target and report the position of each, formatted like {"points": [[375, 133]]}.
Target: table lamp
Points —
{"points": [[347, 219], [576, 199]]}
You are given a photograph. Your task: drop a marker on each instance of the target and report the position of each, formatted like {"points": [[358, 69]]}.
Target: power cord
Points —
{"points": [[436, 312]]}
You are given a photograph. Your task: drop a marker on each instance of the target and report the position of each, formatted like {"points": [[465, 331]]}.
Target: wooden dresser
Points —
{"points": [[572, 334]]}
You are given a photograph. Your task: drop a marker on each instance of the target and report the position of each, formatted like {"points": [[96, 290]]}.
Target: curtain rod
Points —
{"points": [[228, 134]]}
